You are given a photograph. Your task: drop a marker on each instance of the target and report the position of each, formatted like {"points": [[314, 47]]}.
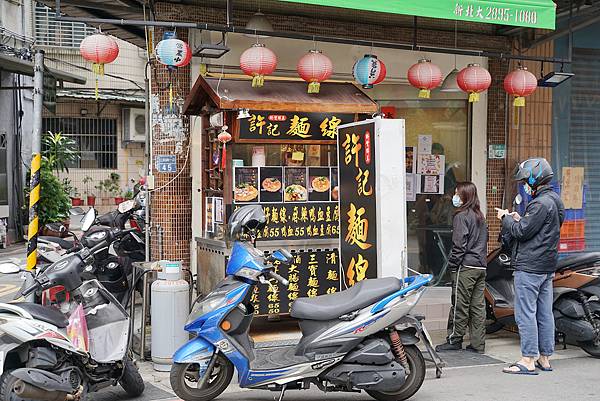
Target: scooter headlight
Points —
{"points": [[204, 307]]}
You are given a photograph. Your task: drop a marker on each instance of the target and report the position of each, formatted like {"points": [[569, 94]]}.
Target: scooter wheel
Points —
{"points": [[131, 381], [185, 376], [591, 347], [413, 381], [7, 382]]}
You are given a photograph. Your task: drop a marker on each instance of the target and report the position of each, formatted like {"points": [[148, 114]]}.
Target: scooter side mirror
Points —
{"points": [[9, 268], [126, 206], [88, 219]]}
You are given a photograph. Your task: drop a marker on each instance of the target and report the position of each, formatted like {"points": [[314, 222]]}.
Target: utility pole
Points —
{"points": [[36, 159]]}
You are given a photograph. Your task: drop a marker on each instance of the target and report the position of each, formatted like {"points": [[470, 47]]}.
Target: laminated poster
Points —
{"points": [[431, 164], [425, 142], [432, 184]]}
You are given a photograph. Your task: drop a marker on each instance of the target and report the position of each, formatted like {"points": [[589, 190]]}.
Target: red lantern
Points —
{"points": [[224, 137], [425, 76], [520, 83], [100, 49], [474, 79], [315, 67], [257, 62]]}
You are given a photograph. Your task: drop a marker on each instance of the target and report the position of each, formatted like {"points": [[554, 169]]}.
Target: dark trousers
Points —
{"points": [[468, 307]]}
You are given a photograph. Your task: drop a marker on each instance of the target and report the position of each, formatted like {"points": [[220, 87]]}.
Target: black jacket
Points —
{"points": [[537, 234], [469, 241]]}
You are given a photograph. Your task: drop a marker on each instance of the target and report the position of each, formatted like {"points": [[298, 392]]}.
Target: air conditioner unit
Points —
{"points": [[134, 125]]}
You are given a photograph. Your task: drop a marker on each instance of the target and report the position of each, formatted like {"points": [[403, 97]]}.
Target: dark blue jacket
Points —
{"points": [[536, 235]]}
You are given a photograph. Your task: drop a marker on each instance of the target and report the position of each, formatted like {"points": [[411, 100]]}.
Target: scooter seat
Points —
{"points": [[572, 262], [63, 243], [46, 314], [332, 306]]}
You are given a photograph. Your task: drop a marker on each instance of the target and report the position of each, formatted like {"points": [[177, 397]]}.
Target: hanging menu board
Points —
{"points": [[358, 203], [311, 274], [292, 221], [295, 127]]}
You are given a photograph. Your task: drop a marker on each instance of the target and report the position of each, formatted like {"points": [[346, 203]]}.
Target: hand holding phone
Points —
{"points": [[501, 213]]}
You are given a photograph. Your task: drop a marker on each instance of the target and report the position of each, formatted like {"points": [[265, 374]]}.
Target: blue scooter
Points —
{"points": [[360, 339]]}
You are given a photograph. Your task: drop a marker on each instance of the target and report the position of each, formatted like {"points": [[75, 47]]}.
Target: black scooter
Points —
{"points": [[576, 297]]}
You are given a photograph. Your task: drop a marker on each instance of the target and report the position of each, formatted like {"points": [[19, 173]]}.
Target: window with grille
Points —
{"points": [[50, 32], [95, 138]]}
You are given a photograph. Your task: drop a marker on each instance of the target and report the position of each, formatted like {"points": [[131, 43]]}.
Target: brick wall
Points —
{"points": [[171, 205]]}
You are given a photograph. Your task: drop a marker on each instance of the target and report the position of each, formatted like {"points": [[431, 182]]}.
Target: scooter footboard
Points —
{"points": [[194, 351]]}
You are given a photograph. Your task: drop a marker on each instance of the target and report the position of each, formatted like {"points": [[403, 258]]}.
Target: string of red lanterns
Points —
{"points": [[314, 67]]}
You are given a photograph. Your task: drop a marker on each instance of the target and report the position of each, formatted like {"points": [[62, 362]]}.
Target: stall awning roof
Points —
{"points": [[233, 94], [25, 67], [527, 13]]}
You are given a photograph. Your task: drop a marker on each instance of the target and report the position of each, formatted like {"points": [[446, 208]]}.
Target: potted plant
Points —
{"points": [[128, 194], [54, 205], [73, 193], [111, 187], [91, 197]]}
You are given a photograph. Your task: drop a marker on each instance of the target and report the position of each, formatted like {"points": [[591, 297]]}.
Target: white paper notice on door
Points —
{"points": [[425, 142], [411, 190], [431, 164]]}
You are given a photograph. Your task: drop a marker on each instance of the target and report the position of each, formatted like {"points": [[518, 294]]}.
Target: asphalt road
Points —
{"points": [[573, 379]]}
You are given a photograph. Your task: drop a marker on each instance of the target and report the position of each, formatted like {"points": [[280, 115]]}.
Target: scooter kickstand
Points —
{"points": [[282, 392]]}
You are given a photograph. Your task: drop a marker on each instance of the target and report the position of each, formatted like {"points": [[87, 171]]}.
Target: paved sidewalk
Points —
{"points": [[575, 378]]}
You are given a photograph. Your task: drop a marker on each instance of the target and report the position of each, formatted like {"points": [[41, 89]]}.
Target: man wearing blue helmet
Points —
{"points": [[535, 254]]}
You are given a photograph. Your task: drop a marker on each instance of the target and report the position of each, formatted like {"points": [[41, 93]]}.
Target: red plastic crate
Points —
{"points": [[573, 229], [571, 245]]}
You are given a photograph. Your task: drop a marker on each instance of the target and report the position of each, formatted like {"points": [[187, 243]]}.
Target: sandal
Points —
{"points": [[522, 370], [542, 368]]}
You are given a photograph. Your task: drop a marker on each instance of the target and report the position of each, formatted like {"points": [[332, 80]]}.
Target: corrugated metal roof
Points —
{"points": [[102, 95]]}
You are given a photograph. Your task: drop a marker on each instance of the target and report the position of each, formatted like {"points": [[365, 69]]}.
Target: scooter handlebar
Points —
{"points": [[277, 277], [30, 289]]}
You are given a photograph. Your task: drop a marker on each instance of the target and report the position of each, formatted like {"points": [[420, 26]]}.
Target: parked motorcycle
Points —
{"points": [[48, 355], [363, 338], [576, 297], [114, 266]]}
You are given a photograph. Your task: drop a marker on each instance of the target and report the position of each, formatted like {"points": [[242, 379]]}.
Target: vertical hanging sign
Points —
{"points": [[358, 203]]}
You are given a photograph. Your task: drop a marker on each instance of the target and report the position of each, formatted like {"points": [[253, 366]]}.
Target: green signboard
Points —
{"points": [[528, 13]]}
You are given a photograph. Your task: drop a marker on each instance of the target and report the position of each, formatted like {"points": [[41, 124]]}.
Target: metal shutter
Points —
{"points": [[584, 145]]}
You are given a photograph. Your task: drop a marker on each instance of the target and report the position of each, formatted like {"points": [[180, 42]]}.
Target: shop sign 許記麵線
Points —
{"points": [[291, 127], [358, 203]]}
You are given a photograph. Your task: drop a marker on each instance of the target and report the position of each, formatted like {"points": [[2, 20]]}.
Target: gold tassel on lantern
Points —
{"points": [[314, 87], [519, 101], [473, 97], [258, 81], [98, 69], [424, 94], [170, 96]]}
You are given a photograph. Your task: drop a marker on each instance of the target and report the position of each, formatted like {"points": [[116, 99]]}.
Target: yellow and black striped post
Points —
{"points": [[36, 159], [34, 197]]}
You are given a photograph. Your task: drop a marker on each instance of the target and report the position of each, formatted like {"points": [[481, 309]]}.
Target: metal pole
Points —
{"points": [[36, 159], [313, 38], [147, 167]]}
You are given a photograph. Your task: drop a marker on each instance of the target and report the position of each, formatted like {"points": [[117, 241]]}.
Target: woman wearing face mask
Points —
{"points": [[468, 263]]}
